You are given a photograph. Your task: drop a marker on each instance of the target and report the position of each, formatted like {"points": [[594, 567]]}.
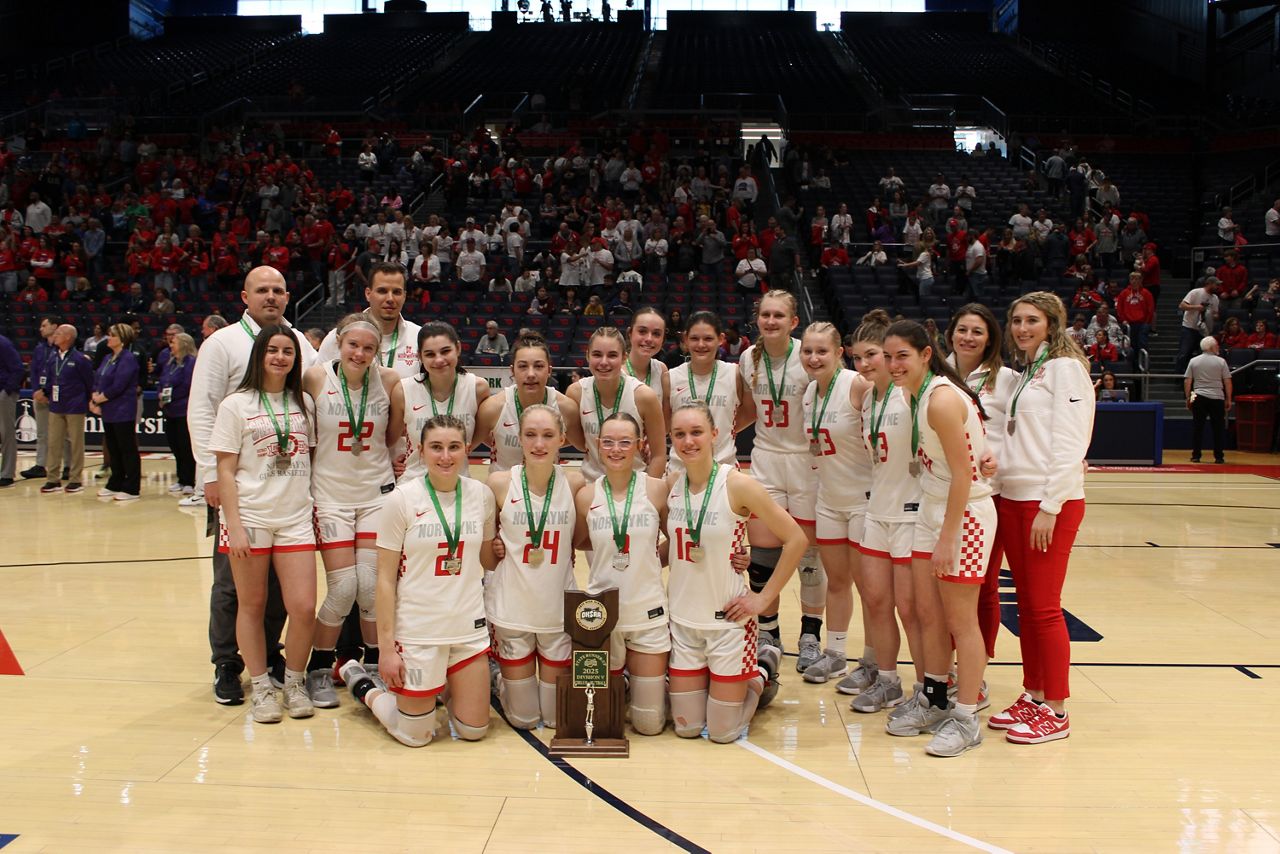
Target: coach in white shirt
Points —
{"points": [[220, 368]]}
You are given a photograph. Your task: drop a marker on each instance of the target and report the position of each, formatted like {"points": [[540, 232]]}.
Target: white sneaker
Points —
{"points": [[955, 735], [266, 706], [921, 718], [194, 500], [175, 487], [106, 493], [188, 490], [296, 699], [126, 496]]}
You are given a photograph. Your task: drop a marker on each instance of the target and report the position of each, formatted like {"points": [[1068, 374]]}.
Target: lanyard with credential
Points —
{"points": [[536, 553], [815, 447], [622, 557], [695, 551], [356, 419], [453, 536], [914, 466], [873, 436]]}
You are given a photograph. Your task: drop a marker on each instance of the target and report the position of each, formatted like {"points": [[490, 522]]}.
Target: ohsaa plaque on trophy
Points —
{"points": [[590, 702]]}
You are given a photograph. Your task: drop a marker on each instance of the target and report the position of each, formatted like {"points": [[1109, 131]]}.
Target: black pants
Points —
{"points": [[121, 441], [1216, 412], [175, 430]]}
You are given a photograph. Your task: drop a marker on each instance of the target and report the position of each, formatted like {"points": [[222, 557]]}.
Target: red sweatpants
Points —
{"points": [[989, 594], [1038, 578]]}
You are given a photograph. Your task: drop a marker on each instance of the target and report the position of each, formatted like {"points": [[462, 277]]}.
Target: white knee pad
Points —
{"points": [[467, 732], [520, 701], [689, 712], [547, 702], [724, 720], [366, 587], [411, 730], [648, 704], [339, 597], [813, 585]]}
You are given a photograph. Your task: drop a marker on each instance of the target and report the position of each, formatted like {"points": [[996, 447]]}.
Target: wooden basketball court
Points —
{"points": [[110, 739]]}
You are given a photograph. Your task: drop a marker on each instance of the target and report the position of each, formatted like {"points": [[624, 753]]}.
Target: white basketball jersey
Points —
{"points": [[433, 605], [721, 397], [844, 466], [506, 451], [270, 494], [700, 590], [418, 410], [652, 378], [339, 477], [779, 426], [642, 602], [895, 494], [531, 598], [935, 481], [591, 420]]}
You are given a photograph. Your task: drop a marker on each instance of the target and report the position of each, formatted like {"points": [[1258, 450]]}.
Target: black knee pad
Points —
{"points": [[761, 567]]}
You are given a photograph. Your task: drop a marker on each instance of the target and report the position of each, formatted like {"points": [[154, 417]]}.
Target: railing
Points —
{"points": [[1247, 187], [1027, 158], [314, 299], [641, 68], [1200, 253], [1071, 69]]}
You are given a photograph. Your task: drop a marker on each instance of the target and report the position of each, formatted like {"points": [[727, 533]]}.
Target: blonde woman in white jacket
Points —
{"points": [[1047, 433]]}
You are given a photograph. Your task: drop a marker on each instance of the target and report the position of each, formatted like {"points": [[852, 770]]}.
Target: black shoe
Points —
{"points": [[5, 481], [1195, 459], [1220, 462], [35, 472], [227, 689], [66, 474]]}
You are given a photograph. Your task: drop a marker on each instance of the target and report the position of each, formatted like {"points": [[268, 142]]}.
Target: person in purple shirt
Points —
{"points": [[11, 375], [115, 398], [174, 387], [39, 359], [66, 382]]}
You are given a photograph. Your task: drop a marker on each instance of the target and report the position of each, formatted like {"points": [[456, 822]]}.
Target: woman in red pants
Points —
{"points": [[1047, 432], [976, 343]]}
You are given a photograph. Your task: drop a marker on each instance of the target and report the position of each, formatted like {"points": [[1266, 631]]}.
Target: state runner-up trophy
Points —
{"points": [[590, 705]]}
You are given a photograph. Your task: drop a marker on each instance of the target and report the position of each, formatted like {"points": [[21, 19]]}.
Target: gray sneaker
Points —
{"points": [[829, 666], [767, 638], [920, 719], [859, 679], [810, 652], [881, 695], [955, 735], [266, 706], [320, 687], [917, 698], [297, 701], [770, 659]]}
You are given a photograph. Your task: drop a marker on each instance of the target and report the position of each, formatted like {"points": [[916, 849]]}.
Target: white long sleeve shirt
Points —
{"points": [[1041, 460], [221, 364]]}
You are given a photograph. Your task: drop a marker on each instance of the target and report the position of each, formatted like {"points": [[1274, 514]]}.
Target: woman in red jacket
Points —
{"points": [[1232, 336], [1261, 339], [1102, 350], [43, 262]]}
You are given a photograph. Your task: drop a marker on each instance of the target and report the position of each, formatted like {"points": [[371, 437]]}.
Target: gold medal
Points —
{"points": [[536, 557]]}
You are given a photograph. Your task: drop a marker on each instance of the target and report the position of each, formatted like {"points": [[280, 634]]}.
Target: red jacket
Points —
{"points": [[1235, 280], [278, 257], [1136, 306], [1108, 353], [1262, 341], [1237, 341]]}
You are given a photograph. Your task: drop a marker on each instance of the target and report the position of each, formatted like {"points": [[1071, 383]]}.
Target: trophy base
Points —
{"points": [[605, 748]]}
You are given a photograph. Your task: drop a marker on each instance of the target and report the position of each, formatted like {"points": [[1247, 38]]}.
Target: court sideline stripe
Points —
{"points": [[96, 562], [601, 792], [865, 800]]}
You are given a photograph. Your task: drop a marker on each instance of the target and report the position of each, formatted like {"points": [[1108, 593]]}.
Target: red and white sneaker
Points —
{"points": [[1024, 709], [337, 671], [1045, 726]]}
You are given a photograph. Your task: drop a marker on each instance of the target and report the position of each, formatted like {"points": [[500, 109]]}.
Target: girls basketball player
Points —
{"points": [[261, 436], [609, 390], [718, 673], [717, 384], [952, 537], [619, 519], [498, 419], [780, 460], [833, 420], [976, 341], [442, 387], [645, 337], [525, 596], [1048, 429], [435, 540], [890, 519], [359, 418]]}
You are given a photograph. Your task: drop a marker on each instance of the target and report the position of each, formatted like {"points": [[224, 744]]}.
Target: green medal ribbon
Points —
{"points": [[282, 433], [356, 423], [535, 534], [693, 388], [620, 532], [451, 536], [648, 374], [695, 531], [915, 415], [247, 330], [876, 422], [826, 398], [395, 342], [617, 402], [768, 370], [431, 396], [1026, 379], [515, 395]]}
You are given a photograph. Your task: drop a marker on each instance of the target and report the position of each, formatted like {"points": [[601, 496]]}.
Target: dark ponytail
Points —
{"points": [[918, 339]]}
